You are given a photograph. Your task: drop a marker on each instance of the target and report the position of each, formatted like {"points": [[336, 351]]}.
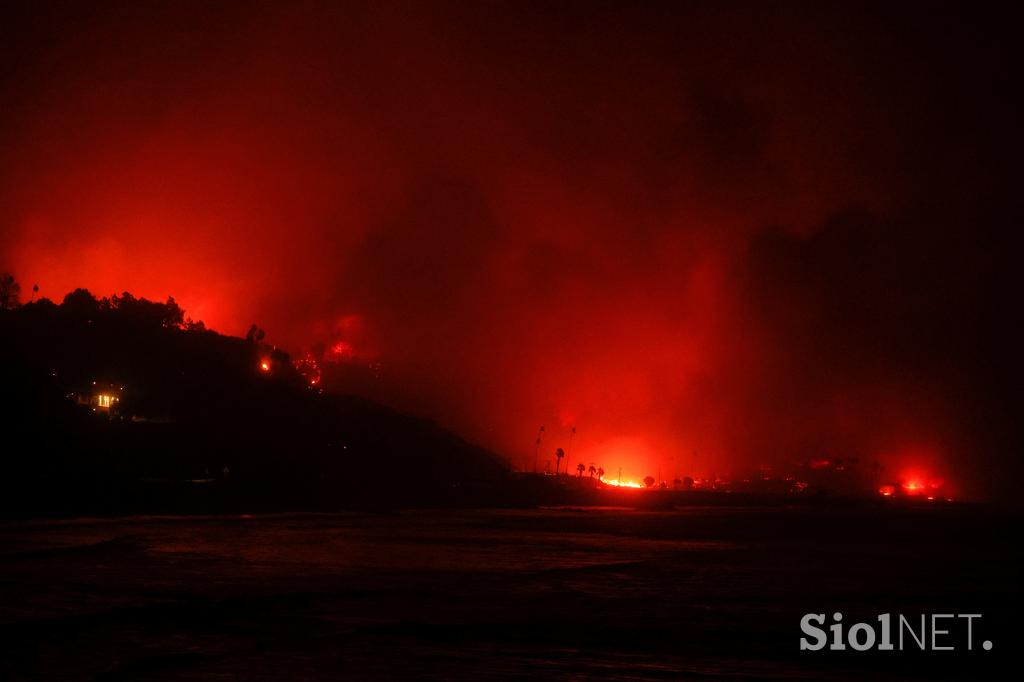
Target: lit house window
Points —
{"points": [[104, 401]]}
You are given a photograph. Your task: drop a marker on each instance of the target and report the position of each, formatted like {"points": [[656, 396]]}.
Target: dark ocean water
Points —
{"points": [[695, 593]]}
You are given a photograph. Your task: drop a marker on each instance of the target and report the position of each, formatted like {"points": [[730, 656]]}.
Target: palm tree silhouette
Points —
{"points": [[580, 468], [592, 470], [559, 454], [600, 473]]}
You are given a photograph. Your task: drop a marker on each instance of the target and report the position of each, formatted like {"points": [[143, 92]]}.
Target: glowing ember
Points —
{"points": [[265, 365], [309, 369], [887, 490]]}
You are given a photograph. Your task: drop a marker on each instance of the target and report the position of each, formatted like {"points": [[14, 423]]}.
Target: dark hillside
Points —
{"points": [[123, 405]]}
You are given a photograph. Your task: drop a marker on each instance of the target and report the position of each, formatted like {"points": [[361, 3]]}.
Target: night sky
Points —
{"points": [[711, 237]]}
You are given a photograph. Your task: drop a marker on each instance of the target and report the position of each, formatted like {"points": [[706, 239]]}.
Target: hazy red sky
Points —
{"points": [[710, 238]]}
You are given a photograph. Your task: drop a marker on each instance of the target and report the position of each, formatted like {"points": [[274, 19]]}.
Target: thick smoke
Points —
{"points": [[710, 239]]}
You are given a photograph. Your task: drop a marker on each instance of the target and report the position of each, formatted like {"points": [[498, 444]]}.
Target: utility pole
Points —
{"points": [[572, 434], [536, 449]]}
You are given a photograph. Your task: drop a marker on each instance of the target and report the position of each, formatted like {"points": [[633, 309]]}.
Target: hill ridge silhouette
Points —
{"points": [[198, 421]]}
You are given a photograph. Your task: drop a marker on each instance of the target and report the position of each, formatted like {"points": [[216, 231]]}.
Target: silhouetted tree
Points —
{"points": [[255, 334], [174, 316], [80, 304], [592, 470], [143, 313], [649, 481], [559, 454], [580, 468], [10, 292], [600, 473], [687, 483]]}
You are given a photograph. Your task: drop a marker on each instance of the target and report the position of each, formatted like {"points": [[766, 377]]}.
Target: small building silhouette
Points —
{"points": [[99, 397]]}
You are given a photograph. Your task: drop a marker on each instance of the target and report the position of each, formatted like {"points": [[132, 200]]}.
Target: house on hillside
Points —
{"points": [[99, 397]]}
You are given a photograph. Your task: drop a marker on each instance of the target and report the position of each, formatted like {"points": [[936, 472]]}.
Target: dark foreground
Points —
{"points": [[703, 593]]}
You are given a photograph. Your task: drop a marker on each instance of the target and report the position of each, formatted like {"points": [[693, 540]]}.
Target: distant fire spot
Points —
{"points": [[342, 351]]}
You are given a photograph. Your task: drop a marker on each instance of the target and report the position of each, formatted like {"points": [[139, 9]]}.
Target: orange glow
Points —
{"points": [[916, 483], [921, 486], [265, 365], [913, 487], [917, 469], [627, 459]]}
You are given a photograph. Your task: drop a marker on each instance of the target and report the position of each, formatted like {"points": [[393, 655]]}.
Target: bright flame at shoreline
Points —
{"points": [[626, 484], [915, 484]]}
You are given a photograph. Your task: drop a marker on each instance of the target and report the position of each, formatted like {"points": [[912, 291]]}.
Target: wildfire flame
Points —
{"points": [[626, 484], [914, 486]]}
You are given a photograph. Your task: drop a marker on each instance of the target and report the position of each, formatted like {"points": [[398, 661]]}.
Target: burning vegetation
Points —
{"points": [[157, 366]]}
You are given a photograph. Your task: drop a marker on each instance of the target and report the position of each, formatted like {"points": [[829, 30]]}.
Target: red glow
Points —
{"points": [[640, 248], [915, 482], [341, 350]]}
